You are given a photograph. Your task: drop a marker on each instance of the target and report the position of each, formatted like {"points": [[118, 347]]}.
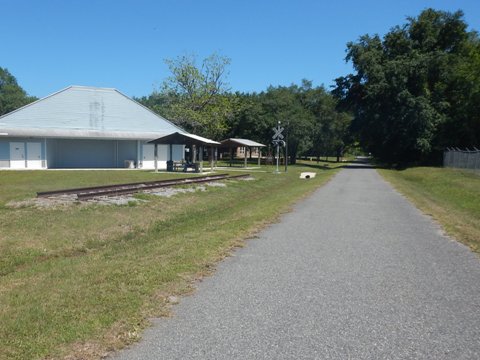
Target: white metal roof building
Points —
{"points": [[84, 127]]}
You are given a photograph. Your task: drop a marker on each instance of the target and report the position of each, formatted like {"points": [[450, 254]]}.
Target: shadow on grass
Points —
{"points": [[315, 166], [357, 164]]}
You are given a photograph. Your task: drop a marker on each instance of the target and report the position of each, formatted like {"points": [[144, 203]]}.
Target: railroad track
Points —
{"points": [[131, 188]]}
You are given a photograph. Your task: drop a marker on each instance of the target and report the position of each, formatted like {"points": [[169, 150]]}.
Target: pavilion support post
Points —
{"points": [[245, 155], [156, 157], [200, 156], [212, 158], [231, 156], [171, 152], [259, 155], [194, 153]]}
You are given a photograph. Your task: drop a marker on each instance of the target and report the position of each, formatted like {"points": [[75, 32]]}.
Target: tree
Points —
{"points": [[195, 97], [403, 92], [462, 124], [284, 104], [198, 85], [12, 96], [248, 119], [308, 115], [330, 131]]}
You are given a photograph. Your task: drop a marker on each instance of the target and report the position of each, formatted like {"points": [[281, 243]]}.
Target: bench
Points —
{"points": [[177, 165], [181, 166], [189, 165]]}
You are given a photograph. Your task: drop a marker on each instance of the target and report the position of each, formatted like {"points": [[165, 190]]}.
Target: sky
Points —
{"points": [[51, 44]]}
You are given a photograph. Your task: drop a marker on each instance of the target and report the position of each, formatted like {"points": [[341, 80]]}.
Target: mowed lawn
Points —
{"points": [[451, 196], [83, 279]]}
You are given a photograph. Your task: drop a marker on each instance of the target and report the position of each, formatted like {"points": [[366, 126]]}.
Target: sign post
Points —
{"points": [[277, 141]]}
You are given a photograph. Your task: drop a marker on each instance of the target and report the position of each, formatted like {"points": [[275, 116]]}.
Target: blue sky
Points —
{"points": [[51, 44]]}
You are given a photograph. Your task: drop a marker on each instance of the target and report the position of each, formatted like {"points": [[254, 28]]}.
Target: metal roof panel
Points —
{"points": [[241, 142], [89, 109]]}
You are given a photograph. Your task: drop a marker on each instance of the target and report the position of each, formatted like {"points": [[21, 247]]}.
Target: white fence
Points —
{"points": [[462, 159]]}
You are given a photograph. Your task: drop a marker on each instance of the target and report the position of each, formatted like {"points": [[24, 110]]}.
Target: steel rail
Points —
{"points": [[130, 188], [76, 190], [133, 189]]}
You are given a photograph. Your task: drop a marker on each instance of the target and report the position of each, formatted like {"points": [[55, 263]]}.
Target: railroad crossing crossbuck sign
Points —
{"points": [[277, 136], [278, 141]]}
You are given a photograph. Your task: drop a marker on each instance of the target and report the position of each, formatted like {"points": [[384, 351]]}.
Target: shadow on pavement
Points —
{"points": [[361, 162]]}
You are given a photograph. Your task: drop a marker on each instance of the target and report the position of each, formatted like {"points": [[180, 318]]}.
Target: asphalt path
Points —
{"points": [[353, 272]]}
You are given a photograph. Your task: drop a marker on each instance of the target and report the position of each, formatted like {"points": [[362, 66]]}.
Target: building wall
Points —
{"points": [[147, 158], [31, 160], [75, 153], [127, 150], [4, 154], [85, 153], [240, 153], [51, 151], [178, 152]]}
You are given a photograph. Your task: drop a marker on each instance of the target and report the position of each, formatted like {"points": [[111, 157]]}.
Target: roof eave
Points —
{"points": [[78, 134]]}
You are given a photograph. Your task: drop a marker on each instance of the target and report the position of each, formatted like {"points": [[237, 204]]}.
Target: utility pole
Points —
{"points": [[286, 145]]}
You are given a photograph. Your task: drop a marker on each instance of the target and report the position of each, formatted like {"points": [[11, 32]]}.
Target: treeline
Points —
{"points": [[12, 96], [197, 100], [414, 92]]}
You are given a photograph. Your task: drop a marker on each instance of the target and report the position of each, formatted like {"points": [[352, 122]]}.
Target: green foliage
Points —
{"points": [[413, 92], [330, 131], [195, 97], [12, 96], [311, 122]]}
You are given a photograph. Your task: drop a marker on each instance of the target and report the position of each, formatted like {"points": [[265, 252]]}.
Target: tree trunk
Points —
{"points": [[293, 157], [339, 154]]}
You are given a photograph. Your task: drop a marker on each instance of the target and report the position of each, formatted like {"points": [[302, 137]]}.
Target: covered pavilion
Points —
{"points": [[190, 140], [245, 143]]}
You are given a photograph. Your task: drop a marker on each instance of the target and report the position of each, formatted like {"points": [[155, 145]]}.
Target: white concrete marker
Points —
{"points": [[307, 175]]}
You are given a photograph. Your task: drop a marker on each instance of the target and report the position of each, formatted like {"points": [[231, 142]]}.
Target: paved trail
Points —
{"points": [[354, 272]]}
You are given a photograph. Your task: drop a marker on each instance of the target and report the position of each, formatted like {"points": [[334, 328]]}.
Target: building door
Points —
{"points": [[34, 155], [162, 156], [148, 159], [17, 155]]}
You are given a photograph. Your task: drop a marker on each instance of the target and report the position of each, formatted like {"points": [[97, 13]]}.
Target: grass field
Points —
{"points": [[83, 279], [450, 196]]}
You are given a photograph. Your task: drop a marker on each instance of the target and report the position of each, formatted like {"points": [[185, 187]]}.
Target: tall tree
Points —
{"points": [[403, 90], [198, 99], [312, 124], [330, 131], [284, 104], [12, 96], [195, 96], [462, 124]]}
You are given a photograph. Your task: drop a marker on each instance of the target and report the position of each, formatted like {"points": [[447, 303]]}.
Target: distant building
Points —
{"points": [[252, 153], [84, 127], [241, 148]]}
